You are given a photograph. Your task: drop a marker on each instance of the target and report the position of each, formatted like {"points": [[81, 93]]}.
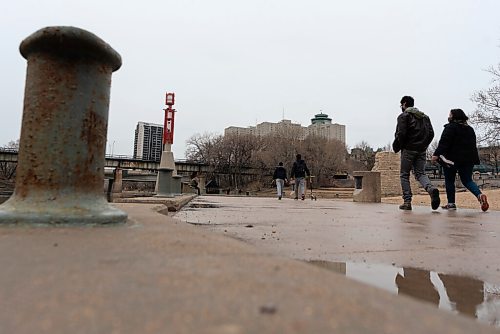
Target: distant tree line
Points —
{"points": [[239, 161]]}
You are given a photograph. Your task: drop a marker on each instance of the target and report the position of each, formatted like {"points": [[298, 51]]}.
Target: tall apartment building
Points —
{"points": [[321, 125], [148, 141]]}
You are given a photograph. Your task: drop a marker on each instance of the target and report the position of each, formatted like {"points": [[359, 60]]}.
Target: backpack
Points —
{"points": [[301, 167]]}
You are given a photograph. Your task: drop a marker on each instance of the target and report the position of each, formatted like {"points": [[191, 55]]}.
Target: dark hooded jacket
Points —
{"points": [[279, 173], [299, 169], [458, 144], [414, 131]]}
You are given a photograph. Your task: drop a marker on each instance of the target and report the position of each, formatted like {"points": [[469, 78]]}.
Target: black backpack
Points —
{"points": [[301, 167]]}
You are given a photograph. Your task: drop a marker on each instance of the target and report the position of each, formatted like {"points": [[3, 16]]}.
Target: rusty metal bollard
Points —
{"points": [[60, 170]]}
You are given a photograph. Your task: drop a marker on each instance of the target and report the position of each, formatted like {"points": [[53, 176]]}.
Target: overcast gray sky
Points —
{"points": [[240, 63]]}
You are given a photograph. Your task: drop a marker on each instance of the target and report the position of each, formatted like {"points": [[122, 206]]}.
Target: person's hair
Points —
{"points": [[458, 115], [298, 156], [280, 164], [408, 100]]}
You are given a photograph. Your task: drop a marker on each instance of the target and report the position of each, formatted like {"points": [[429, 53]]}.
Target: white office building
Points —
{"points": [[321, 125]]}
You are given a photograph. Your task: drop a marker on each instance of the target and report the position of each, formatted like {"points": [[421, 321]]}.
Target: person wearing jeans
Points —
{"points": [[413, 135], [279, 177], [465, 174], [413, 160], [458, 146], [299, 172]]}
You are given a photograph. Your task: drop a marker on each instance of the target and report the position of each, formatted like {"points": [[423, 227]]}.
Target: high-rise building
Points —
{"points": [[321, 126], [148, 141]]}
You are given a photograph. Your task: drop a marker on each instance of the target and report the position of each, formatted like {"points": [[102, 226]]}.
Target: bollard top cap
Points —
{"points": [[71, 42]]}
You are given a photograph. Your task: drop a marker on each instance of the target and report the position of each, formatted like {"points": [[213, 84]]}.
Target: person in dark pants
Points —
{"points": [[279, 178], [413, 135], [457, 152], [299, 172]]}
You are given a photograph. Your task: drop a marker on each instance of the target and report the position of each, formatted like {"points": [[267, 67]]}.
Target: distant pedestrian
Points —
{"points": [[195, 183], [413, 135], [457, 152], [299, 172], [279, 178]]}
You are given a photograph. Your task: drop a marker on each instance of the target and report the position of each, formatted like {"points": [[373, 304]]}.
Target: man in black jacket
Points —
{"points": [[279, 177], [413, 135], [299, 172]]}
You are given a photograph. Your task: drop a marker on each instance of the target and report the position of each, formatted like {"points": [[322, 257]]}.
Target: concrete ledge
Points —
{"points": [[367, 187], [172, 203]]}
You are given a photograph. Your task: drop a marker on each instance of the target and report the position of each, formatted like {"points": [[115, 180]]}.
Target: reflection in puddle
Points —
{"points": [[464, 295]]}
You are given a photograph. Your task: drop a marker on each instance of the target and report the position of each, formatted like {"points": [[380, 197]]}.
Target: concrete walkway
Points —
{"points": [[463, 242], [160, 275]]}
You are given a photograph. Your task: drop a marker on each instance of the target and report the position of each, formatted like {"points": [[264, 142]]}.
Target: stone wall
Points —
{"points": [[388, 163]]}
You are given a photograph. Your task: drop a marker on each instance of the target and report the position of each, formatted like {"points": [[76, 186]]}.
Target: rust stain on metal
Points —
{"points": [[63, 135]]}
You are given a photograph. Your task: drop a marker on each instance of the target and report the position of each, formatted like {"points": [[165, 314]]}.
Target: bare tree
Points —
{"points": [[487, 114], [8, 169], [364, 154], [492, 154], [238, 160], [13, 144], [324, 157], [386, 148], [238, 150], [202, 148]]}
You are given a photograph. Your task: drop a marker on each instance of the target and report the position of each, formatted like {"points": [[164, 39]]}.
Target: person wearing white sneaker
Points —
{"points": [[458, 145]]}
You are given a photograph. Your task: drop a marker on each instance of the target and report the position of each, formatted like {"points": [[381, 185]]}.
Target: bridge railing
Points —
{"points": [[122, 161]]}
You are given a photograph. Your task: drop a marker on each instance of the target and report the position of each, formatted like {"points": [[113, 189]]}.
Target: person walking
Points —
{"points": [[413, 135], [279, 178], [457, 152], [299, 172]]}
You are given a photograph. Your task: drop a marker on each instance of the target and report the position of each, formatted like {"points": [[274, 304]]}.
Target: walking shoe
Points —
{"points": [[405, 206], [296, 198], [449, 206], [435, 200], [303, 197], [279, 197], [484, 202]]}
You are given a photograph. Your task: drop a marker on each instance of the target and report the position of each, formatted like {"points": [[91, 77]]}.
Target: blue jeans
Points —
{"points": [[465, 173], [280, 184], [299, 186], [413, 160]]}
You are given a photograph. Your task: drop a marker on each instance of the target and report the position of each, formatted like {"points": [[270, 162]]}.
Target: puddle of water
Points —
{"points": [[458, 294]]}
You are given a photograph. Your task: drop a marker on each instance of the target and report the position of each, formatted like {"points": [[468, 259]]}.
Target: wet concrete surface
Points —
{"points": [[463, 243], [156, 274], [458, 294]]}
